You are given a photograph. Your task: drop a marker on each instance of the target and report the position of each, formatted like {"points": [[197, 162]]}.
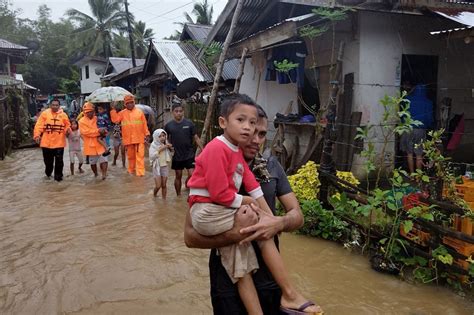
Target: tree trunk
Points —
{"points": [[241, 70], [220, 65]]}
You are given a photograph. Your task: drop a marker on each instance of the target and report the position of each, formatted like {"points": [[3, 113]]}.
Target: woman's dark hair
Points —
{"points": [[230, 102]]}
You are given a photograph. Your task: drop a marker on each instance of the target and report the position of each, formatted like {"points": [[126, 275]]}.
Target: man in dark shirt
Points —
{"points": [[181, 133], [224, 294]]}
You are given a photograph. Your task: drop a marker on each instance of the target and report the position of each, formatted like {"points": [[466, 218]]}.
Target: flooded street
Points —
{"points": [[87, 246]]}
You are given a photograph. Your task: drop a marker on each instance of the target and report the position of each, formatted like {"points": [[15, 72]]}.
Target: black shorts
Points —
{"points": [[180, 165]]}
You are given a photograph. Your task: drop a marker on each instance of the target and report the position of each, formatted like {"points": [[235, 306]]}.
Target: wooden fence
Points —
{"points": [[5, 128], [196, 112]]}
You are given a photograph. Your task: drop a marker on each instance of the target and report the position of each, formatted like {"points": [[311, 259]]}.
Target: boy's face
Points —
{"points": [[240, 125], [178, 113], [74, 125], [100, 109], [162, 137]]}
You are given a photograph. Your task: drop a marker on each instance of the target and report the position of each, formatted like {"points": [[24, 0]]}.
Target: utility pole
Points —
{"points": [[130, 37]]}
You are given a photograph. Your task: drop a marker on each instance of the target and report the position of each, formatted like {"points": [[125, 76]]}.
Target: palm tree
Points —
{"points": [[203, 13], [141, 35], [95, 32]]}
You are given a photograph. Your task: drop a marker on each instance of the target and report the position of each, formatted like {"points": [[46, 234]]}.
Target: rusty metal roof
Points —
{"points": [[4, 44], [177, 61]]}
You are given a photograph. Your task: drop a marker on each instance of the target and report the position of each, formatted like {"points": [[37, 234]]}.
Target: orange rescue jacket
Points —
{"points": [[90, 134], [52, 128], [133, 122]]}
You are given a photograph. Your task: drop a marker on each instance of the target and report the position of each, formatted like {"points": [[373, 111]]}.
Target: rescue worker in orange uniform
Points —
{"points": [[50, 133], [90, 135], [134, 134]]}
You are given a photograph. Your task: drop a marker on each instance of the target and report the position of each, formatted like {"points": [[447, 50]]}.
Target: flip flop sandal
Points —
{"points": [[299, 310]]}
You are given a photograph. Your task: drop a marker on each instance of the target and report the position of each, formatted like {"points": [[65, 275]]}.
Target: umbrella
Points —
{"points": [[108, 94], [147, 110]]}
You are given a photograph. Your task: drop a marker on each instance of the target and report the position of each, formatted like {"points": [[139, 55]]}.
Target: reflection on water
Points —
{"points": [[88, 246]]}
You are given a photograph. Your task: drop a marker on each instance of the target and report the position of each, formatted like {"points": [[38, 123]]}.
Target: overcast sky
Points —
{"points": [[159, 15]]}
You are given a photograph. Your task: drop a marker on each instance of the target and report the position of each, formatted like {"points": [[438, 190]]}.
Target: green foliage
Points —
{"points": [[332, 14], [203, 13], [312, 32], [284, 66], [441, 254], [321, 222], [94, 34], [211, 53]]}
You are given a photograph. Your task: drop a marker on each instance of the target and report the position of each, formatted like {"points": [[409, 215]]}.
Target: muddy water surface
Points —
{"points": [[87, 246]]}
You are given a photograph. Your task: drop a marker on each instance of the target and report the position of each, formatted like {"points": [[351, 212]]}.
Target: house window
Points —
{"points": [[87, 72]]}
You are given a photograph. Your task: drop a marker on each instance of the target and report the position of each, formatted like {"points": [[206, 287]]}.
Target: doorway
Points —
{"points": [[418, 69]]}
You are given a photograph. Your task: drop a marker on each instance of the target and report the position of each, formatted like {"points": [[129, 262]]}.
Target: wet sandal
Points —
{"points": [[300, 310]]}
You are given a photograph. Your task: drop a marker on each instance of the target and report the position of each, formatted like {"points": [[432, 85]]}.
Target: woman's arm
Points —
{"points": [[193, 239]]}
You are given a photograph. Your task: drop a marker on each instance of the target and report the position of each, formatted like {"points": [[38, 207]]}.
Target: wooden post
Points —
{"points": [[327, 162], [241, 70], [2, 130], [211, 106], [16, 120]]}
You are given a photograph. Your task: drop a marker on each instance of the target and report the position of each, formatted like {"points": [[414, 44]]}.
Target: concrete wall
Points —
{"points": [[93, 82], [384, 38], [273, 97]]}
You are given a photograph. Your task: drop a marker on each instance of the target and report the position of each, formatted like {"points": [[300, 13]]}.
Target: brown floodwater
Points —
{"points": [[87, 246]]}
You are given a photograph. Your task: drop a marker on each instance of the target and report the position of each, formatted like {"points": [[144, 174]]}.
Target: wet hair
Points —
{"points": [[232, 101], [55, 100], [261, 112], [73, 121]]}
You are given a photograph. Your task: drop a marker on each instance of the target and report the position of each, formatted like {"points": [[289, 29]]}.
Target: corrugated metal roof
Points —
{"points": [[122, 64], [452, 30], [177, 60], [191, 51], [251, 10], [197, 32], [231, 69], [4, 44], [457, 15]]}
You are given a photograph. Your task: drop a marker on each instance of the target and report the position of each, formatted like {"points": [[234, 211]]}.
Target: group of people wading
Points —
{"points": [[232, 194]]}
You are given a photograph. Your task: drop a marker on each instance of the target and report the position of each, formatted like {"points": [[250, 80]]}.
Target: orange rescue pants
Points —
{"points": [[136, 158]]}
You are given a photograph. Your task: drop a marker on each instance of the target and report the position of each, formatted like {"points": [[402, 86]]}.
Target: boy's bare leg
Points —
{"points": [[164, 190], [122, 151], [177, 181], [71, 166], [157, 186], [248, 295], [94, 169], [116, 154], [103, 168], [80, 168], [290, 297]]}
